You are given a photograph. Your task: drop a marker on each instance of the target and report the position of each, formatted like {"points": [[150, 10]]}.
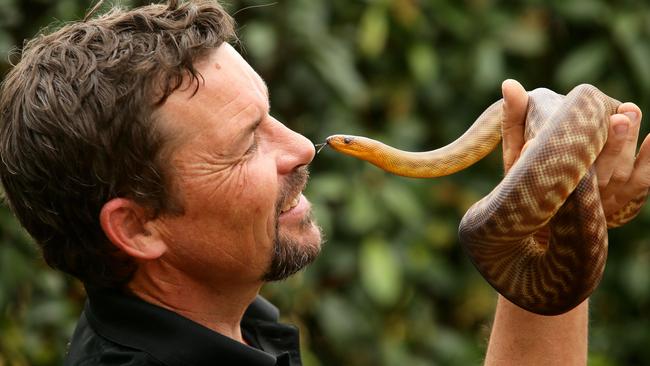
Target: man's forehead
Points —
{"points": [[227, 82], [226, 59], [227, 85]]}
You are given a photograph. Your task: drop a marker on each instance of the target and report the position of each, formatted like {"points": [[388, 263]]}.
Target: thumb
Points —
{"points": [[515, 105]]}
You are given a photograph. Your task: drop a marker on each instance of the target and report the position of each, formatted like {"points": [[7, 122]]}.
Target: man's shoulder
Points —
{"points": [[89, 348], [117, 329]]}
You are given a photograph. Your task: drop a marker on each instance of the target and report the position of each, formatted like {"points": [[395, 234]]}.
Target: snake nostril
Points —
{"points": [[347, 140]]}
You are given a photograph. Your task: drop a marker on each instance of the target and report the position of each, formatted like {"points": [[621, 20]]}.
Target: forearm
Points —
{"points": [[525, 339]]}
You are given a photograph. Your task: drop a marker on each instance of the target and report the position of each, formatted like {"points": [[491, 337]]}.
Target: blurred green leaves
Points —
{"points": [[380, 271], [36, 315], [373, 30], [633, 39], [423, 62], [584, 64], [260, 41]]}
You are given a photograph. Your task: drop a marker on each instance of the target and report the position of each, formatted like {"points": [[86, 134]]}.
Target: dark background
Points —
{"points": [[392, 286]]}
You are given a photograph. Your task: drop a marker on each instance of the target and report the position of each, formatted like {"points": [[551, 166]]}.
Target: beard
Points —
{"points": [[291, 253]]}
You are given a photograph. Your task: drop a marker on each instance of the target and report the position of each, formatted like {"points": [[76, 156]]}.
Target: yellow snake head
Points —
{"points": [[356, 146], [381, 155]]}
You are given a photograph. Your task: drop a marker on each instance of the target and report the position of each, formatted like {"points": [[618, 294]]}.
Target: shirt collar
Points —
{"points": [[173, 339]]}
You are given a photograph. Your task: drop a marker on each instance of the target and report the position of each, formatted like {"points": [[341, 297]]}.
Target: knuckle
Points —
{"points": [[620, 176], [613, 148], [603, 182], [643, 182]]}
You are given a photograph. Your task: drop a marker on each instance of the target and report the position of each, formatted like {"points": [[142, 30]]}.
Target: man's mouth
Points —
{"points": [[291, 195], [291, 203]]}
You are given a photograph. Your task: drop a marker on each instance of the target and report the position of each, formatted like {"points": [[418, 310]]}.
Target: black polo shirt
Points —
{"points": [[117, 329]]}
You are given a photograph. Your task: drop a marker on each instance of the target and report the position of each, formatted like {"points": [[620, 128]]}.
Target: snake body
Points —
{"points": [[540, 237]]}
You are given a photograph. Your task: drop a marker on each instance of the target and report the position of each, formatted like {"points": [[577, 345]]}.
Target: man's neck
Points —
{"points": [[219, 307]]}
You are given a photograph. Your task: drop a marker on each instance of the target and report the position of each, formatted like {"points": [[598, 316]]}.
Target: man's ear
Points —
{"points": [[129, 227]]}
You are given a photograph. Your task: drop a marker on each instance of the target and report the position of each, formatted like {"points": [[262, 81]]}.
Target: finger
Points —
{"points": [[607, 160], [515, 105], [625, 164], [640, 178], [616, 196]]}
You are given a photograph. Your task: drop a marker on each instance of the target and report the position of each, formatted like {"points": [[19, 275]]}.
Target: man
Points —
{"points": [[139, 151]]}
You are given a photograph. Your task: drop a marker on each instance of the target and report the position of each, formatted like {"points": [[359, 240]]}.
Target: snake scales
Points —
{"points": [[540, 237]]}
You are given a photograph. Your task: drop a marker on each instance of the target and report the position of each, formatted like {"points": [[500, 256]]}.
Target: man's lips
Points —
{"points": [[291, 196], [291, 203], [298, 212]]}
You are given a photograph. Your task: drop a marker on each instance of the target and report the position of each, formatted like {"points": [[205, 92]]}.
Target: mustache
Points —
{"points": [[295, 184]]}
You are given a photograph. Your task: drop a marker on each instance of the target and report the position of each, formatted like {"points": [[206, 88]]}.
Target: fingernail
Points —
{"points": [[631, 115], [621, 129]]}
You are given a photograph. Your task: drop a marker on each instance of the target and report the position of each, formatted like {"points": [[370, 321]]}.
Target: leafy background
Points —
{"points": [[392, 286]]}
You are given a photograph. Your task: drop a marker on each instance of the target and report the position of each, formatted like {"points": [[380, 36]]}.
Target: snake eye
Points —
{"points": [[347, 140]]}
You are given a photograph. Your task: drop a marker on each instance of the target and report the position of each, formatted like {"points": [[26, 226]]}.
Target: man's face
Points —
{"points": [[238, 173]]}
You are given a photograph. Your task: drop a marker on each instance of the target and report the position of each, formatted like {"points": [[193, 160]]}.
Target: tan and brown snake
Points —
{"points": [[540, 237]]}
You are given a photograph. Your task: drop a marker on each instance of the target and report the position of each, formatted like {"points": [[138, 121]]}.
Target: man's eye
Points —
{"points": [[253, 146]]}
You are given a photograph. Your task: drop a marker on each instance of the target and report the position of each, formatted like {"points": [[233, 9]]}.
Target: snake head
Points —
{"points": [[359, 147], [346, 144], [367, 149]]}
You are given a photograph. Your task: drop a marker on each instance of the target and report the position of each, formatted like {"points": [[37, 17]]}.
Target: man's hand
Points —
{"points": [[622, 175], [523, 338]]}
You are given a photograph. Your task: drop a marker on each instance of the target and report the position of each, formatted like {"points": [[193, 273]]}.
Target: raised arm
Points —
{"points": [[522, 338]]}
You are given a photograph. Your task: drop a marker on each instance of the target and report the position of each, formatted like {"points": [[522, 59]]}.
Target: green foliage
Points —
{"points": [[392, 286]]}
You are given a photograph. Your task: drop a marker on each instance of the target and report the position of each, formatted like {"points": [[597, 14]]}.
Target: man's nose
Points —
{"points": [[294, 149]]}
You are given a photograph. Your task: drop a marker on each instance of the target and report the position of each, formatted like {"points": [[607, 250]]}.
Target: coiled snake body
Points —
{"points": [[540, 237]]}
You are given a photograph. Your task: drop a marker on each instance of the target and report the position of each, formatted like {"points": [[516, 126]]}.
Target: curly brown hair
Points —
{"points": [[77, 127]]}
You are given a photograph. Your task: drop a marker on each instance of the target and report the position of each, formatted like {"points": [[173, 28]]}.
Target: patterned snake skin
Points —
{"points": [[540, 237]]}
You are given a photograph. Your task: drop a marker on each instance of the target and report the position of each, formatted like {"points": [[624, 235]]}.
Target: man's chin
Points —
{"points": [[308, 233], [293, 251]]}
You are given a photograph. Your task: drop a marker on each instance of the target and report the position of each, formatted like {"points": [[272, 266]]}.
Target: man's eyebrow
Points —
{"points": [[255, 125], [268, 101], [266, 90]]}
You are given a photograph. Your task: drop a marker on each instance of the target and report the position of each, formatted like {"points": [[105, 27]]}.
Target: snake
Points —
{"points": [[539, 237]]}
